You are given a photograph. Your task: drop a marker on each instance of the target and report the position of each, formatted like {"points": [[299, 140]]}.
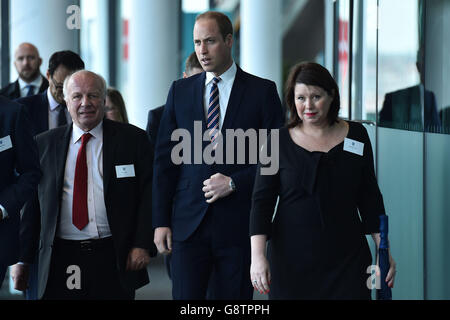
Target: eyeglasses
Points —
{"points": [[58, 86]]}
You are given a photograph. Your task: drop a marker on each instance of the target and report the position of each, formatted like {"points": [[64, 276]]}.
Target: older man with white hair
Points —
{"points": [[94, 201]]}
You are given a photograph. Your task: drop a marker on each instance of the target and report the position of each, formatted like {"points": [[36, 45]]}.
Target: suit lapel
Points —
{"points": [[43, 111], [109, 146], [60, 151], [199, 111], [236, 95], [44, 84], [16, 91]]}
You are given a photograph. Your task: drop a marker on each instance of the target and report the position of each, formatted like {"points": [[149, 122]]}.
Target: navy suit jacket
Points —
{"points": [[153, 121], [12, 90], [19, 174], [178, 199]]}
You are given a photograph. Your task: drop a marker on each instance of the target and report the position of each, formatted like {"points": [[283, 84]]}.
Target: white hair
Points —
{"points": [[97, 76]]}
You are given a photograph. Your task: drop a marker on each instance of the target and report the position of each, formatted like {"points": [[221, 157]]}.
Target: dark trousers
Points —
{"points": [[31, 292], [84, 270], [203, 261]]}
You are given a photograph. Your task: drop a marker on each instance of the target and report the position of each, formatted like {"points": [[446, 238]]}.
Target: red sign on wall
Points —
{"points": [[343, 43], [125, 43]]}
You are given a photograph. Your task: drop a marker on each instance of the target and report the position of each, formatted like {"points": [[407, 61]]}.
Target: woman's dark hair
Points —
{"points": [[117, 100], [311, 74]]}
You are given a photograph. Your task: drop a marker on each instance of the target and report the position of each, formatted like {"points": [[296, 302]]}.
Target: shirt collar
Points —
{"points": [[53, 104], [36, 82], [77, 132], [225, 77]]}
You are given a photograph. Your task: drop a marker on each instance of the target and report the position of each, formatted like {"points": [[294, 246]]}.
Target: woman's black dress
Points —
{"points": [[327, 203]]}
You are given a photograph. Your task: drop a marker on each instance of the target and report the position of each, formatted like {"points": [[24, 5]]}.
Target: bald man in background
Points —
{"points": [[30, 82]]}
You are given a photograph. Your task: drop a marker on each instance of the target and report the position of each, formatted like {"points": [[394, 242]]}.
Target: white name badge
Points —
{"points": [[125, 171], [5, 143], [354, 146]]}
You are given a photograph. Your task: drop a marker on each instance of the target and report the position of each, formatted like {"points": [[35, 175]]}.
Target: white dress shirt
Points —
{"points": [[98, 226], [23, 86], [53, 111], [225, 85]]}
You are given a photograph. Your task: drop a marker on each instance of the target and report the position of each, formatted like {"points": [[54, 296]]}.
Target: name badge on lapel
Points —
{"points": [[5, 143], [125, 171], [354, 146]]}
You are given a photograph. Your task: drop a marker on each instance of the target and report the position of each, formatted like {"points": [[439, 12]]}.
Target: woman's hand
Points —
{"points": [[260, 274], [390, 278]]}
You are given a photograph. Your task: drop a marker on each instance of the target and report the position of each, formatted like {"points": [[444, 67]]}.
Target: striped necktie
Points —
{"points": [[213, 111]]}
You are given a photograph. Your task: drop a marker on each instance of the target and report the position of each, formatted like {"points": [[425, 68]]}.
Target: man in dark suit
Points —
{"points": [[93, 202], [201, 211], [48, 109], [191, 67], [27, 62], [19, 177]]}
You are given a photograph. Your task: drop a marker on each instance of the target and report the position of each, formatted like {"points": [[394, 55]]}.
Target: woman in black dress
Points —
{"points": [[328, 200]]}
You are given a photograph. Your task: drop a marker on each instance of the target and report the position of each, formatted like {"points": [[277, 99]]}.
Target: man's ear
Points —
{"points": [[229, 40], [48, 75], [184, 75]]}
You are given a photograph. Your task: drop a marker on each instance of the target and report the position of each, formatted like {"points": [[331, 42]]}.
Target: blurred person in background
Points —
{"points": [[115, 108]]}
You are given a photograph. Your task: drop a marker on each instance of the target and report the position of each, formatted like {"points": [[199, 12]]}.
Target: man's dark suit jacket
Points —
{"points": [[402, 109], [37, 106], [19, 174], [12, 90], [153, 121], [178, 199], [128, 200]]}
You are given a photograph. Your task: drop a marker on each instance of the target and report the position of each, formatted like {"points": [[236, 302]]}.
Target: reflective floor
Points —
{"points": [[159, 288]]}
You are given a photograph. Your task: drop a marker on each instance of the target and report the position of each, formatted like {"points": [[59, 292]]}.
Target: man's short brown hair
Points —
{"points": [[225, 25]]}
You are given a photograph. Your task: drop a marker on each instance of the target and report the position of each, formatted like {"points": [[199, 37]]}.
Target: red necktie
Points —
{"points": [[80, 216]]}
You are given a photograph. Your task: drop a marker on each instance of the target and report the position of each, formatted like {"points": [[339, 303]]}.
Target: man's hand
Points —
{"points": [[216, 187], [163, 240], [19, 275], [138, 259]]}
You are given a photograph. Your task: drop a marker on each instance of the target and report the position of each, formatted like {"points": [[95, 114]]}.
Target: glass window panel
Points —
{"points": [[94, 36], [437, 64], [364, 60], [437, 157], [400, 65]]}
